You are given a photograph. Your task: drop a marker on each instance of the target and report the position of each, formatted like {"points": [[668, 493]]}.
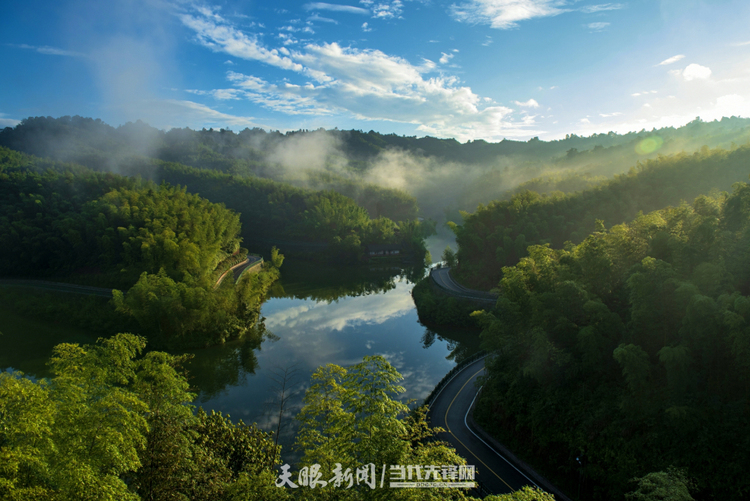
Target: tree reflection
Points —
{"points": [[213, 370], [219, 367], [306, 280], [462, 343]]}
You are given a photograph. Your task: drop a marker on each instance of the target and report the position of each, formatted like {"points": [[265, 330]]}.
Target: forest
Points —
{"points": [[115, 422], [636, 340], [619, 342], [498, 234], [163, 246], [392, 176]]}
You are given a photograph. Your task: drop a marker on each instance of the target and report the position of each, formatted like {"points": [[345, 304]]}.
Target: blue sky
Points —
{"points": [[469, 69]]}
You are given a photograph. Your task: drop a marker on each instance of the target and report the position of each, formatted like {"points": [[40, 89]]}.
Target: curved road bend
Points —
{"points": [[238, 268], [442, 277], [449, 411]]}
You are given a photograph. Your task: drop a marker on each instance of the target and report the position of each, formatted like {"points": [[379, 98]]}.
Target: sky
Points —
{"points": [[464, 69]]}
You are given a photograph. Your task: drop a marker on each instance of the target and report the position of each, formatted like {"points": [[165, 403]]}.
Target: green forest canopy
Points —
{"points": [[637, 341], [498, 234]]}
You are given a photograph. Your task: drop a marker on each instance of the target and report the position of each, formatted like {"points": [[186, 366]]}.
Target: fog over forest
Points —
{"points": [[443, 175]]}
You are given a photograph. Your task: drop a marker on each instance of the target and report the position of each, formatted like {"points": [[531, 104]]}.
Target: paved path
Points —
{"points": [[449, 411], [238, 268], [442, 278]]}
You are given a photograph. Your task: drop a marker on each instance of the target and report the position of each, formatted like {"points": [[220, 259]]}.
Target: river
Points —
{"points": [[316, 315]]}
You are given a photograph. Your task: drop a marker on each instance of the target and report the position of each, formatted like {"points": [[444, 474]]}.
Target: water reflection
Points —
{"points": [[214, 369], [462, 343], [320, 315]]}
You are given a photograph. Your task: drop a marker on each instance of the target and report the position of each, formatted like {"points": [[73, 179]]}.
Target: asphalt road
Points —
{"points": [[449, 410], [441, 276]]}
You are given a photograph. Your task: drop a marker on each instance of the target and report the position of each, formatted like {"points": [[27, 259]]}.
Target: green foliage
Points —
{"points": [[112, 424], [276, 259], [449, 257], [351, 418], [526, 493], [56, 218], [436, 308], [636, 340], [670, 485], [498, 234]]}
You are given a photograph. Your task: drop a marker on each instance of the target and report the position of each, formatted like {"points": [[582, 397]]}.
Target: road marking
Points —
{"points": [[459, 441], [488, 445]]}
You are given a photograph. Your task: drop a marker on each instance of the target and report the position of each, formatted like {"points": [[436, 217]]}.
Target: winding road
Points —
{"points": [[237, 270], [442, 278], [496, 473]]}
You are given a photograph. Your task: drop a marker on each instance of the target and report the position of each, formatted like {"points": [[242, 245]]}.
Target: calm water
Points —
{"points": [[317, 315], [322, 316]]}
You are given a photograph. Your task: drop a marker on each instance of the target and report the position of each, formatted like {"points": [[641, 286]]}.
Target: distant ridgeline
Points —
{"points": [[498, 234], [329, 222], [163, 244], [353, 162], [85, 139], [250, 153]]}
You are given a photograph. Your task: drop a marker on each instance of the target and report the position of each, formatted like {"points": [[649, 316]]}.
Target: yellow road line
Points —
{"points": [[454, 436]]}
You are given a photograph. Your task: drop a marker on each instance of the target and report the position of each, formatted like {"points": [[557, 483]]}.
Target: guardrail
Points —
{"points": [[259, 263], [246, 262], [473, 295], [451, 374]]}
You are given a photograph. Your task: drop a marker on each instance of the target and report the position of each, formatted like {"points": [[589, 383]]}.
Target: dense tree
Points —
{"points": [[670, 485], [498, 234], [113, 424], [351, 418], [635, 340]]}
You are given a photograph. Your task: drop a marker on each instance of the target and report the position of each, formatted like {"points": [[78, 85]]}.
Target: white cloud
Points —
{"points": [[505, 14], [8, 122], [445, 58], [316, 17], [49, 51], [740, 44], [336, 8], [677, 105], [229, 62], [607, 115], [220, 94], [347, 312], [531, 103], [597, 26], [365, 27], [671, 60], [585, 121], [213, 32], [365, 84], [384, 9], [696, 72], [170, 113], [590, 9]]}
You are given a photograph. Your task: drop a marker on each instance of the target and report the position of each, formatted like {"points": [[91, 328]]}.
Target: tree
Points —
{"points": [[449, 257], [277, 259], [670, 485], [525, 493], [114, 425], [351, 418]]}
